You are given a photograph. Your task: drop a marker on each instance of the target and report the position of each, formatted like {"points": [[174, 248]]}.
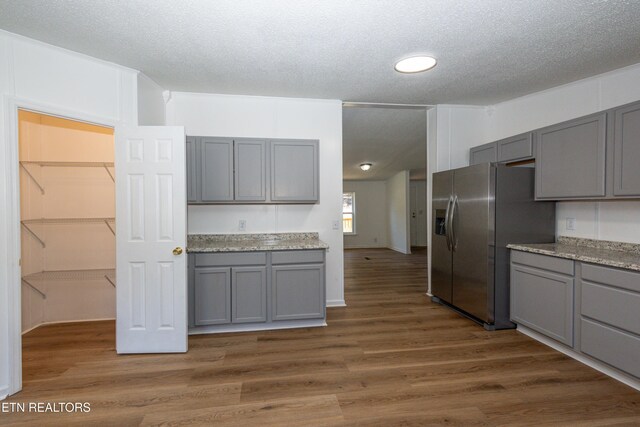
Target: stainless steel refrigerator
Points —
{"points": [[477, 211]]}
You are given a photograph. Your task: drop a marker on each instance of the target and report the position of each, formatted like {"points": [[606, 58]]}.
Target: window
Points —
{"points": [[349, 213]]}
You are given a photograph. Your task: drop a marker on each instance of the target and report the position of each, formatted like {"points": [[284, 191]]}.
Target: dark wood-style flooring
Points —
{"points": [[390, 358]]}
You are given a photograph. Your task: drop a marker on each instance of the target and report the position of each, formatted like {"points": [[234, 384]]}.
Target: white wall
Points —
{"points": [[398, 212], [69, 84], [610, 220], [371, 214], [250, 116], [151, 105]]}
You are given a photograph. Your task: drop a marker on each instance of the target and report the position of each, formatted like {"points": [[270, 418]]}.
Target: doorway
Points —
{"points": [[67, 225]]}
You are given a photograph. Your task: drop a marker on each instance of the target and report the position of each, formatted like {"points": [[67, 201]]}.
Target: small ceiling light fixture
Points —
{"points": [[365, 166], [415, 64]]}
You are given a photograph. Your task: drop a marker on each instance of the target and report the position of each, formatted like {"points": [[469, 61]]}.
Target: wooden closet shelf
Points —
{"points": [[71, 274], [68, 220], [68, 164]]}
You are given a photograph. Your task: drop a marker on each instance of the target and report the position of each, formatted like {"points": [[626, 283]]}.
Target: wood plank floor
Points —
{"points": [[390, 358]]}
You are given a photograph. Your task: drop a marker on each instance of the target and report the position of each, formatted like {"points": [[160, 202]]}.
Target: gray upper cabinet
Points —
{"points": [[486, 153], [192, 178], [246, 170], [570, 159], [216, 169], [212, 296], [294, 171], [250, 161], [626, 148], [248, 294], [516, 148]]}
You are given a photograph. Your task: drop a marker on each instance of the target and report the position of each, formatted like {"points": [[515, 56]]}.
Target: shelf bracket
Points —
{"points": [[35, 236], [106, 221], [33, 178], [110, 174], [113, 283], [42, 294]]}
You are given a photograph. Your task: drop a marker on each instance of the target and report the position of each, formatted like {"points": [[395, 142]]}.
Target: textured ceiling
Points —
{"points": [[488, 50], [391, 139]]}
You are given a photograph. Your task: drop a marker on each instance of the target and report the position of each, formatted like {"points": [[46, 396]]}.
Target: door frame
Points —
{"points": [[12, 262]]}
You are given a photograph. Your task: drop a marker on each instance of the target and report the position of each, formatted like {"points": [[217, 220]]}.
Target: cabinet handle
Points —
{"points": [[177, 251]]}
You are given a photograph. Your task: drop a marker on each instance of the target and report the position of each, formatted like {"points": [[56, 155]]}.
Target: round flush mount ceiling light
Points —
{"points": [[365, 166], [415, 64]]}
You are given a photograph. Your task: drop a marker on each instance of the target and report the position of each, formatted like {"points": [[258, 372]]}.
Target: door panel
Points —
{"points": [[212, 296], [472, 245], [216, 169], [151, 222], [250, 170], [249, 294], [440, 253]]}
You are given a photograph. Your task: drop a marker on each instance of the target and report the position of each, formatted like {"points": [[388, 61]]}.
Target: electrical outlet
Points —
{"points": [[336, 225], [375, 240], [571, 223], [242, 225]]}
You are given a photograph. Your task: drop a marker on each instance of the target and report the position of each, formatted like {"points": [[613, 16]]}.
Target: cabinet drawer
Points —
{"points": [[297, 257], [612, 306], [617, 348], [230, 259], [559, 265], [611, 276], [543, 301], [516, 148]]}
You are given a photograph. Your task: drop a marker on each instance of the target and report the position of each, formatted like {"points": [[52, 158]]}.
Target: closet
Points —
{"points": [[67, 209]]}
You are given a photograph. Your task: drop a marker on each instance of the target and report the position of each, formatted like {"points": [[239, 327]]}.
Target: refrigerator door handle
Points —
{"points": [[452, 215], [446, 223]]}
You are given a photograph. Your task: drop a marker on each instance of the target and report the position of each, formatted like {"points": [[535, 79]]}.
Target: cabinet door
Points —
{"points": [[294, 171], [519, 147], [249, 294], [297, 292], [192, 173], [486, 153], [216, 169], [212, 296], [570, 159], [626, 149], [543, 301], [250, 170]]}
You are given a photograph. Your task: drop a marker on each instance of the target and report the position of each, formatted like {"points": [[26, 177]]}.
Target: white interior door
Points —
{"points": [[151, 261]]}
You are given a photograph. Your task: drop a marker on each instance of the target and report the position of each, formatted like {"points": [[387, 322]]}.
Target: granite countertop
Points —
{"points": [[603, 252], [253, 242]]}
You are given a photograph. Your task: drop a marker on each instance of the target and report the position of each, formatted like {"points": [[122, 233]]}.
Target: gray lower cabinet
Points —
{"points": [[248, 294], [216, 169], [570, 159], [610, 317], [212, 296], [256, 287], [605, 306], [542, 295], [486, 153], [294, 171], [298, 292], [626, 151]]}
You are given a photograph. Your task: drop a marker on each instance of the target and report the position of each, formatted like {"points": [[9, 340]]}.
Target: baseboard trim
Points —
{"points": [[66, 321], [598, 366], [4, 393], [336, 303], [221, 329], [365, 247], [402, 251]]}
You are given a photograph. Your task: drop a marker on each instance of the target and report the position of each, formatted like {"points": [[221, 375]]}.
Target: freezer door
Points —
{"points": [[472, 234], [440, 254]]}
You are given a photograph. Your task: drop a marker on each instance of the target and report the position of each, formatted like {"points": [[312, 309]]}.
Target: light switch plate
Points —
{"points": [[336, 225], [242, 225], [571, 223]]}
